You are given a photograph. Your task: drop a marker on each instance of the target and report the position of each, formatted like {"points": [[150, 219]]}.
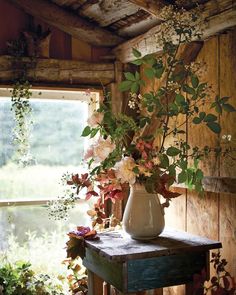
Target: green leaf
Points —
{"points": [[179, 99], [223, 99], [196, 120], [137, 62], [194, 81], [228, 107], [149, 72], [94, 132], [210, 118], [202, 115], [136, 53], [201, 87], [218, 108], [173, 151], [159, 72], [164, 161], [199, 175], [130, 76], [172, 171], [182, 177], [188, 89], [125, 85], [136, 170], [134, 87], [137, 75], [87, 130], [149, 59], [214, 126]]}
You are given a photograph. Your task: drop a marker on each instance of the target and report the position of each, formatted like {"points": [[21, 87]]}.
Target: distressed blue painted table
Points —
{"points": [[134, 266]]}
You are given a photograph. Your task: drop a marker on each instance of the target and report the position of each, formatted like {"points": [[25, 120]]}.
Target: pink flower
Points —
{"points": [[95, 119], [102, 149], [124, 170], [88, 154]]}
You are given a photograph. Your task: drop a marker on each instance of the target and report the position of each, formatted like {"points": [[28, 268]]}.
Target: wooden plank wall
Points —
{"points": [[62, 45], [213, 216]]}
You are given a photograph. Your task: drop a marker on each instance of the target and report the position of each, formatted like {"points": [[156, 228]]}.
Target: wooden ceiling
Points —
{"points": [[121, 17], [122, 24]]}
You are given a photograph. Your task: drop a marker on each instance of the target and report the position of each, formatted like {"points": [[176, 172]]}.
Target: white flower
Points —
{"points": [[156, 161], [95, 119], [102, 148], [124, 170]]}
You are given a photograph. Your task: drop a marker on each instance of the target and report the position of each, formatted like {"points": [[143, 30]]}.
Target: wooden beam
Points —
{"points": [[53, 71], [151, 6], [213, 184], [69, 22], [147, 44]]}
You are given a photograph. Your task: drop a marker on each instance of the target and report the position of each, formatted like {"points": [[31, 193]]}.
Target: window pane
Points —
{"points": [[26, 233], [56, 146]]}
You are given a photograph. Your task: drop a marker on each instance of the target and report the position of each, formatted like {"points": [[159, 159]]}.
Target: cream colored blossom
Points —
{"points": [[156, 161], [102, 148], [124, 170], [95, 119]]}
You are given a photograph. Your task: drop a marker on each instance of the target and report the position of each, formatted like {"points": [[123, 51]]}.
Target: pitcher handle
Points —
{"points": [[164, 205]]}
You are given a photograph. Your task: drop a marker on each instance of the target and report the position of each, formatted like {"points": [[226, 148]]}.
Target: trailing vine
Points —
{"points": [[20, 104], [22, 110]]}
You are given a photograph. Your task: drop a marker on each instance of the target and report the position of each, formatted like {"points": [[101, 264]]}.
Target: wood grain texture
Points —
{"points": [[202, 215], [108, 12], [221, 15], [151, 6], [170, 242], [57, 71], [170, 270], [214, 185], [228, 231], [227, 86], [200, 135], [69, 22], [135, 266], [187, 53], [95, 284], [227, 166], [110, 271]]}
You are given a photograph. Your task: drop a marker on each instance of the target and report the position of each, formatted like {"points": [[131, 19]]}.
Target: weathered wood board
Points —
{"points": [[227, 205], [57, 71]]}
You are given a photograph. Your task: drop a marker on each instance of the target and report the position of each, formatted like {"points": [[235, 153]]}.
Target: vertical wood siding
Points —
{"points": [[213, 216]]}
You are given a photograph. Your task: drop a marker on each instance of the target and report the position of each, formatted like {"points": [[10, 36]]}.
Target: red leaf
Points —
{"points": [[226, 283]]}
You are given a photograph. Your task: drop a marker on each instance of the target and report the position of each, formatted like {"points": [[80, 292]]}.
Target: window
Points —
{"points": [[57, 147]]}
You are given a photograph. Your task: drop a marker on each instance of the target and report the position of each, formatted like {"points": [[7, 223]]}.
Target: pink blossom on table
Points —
{"points": [[95, 119], [102, 148], [124, 170]]}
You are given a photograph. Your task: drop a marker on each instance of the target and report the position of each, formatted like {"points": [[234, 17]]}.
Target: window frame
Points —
{"points": [[51, 93]]}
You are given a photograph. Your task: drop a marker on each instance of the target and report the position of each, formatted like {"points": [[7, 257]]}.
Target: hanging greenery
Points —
{"points": [[22, 110]]}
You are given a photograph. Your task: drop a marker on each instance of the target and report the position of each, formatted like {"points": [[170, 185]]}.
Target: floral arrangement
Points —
{"points": [[220, 284], [133, 146]]}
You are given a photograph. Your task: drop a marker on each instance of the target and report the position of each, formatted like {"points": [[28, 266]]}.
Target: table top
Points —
{"points": [[118, 246]]}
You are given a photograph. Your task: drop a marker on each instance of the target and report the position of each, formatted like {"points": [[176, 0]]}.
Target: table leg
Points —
{"points": [[95, 284]]}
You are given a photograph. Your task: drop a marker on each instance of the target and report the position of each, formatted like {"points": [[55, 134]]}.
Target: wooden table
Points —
{"points": [[133, 266]]}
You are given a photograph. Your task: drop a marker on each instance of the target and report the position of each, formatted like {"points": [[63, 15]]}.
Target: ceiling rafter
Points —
{"points": [[151, 6], [219, 17], [69, 22]]}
